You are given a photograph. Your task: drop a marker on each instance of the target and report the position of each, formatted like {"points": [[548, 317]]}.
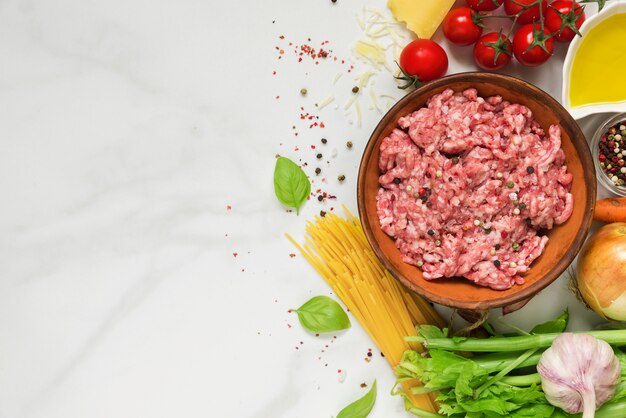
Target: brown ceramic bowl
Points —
{"points": [[565, 240]]}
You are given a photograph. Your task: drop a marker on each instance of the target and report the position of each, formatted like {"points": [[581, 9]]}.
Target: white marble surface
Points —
{"points": [[126, 129]]}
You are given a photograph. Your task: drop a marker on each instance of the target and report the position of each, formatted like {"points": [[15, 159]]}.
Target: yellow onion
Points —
{"points": [[601, 271]]}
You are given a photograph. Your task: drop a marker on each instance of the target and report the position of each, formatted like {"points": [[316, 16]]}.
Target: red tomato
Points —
{"points": [[459, 26], [492, 51], [425, 59], [512, 7], [484, 5], [566, 24], [529, 43]]}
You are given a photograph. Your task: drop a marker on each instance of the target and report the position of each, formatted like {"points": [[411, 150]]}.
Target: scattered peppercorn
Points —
{"points": [[319, 156], [303, 92], [522, 205], [530, 170], [496, 263], [497, 246], [397, 180], [431, 232], [322, 213], [355, 89], [333, 1], [349, 144], [320, 197], [341, 177], [369, 354], [324, 140], [318, 170]]}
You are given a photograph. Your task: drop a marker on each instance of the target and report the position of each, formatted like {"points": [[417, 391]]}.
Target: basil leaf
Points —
{"points": [[291, 185], [555, 326], [360, 408], [322, 314]]}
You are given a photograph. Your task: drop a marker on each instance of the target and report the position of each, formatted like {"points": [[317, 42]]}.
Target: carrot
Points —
{"points": [[612, 209]]}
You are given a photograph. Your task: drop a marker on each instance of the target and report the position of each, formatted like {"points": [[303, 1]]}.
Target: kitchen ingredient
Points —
{"points": [[485, 384], [421, 61], [460, 26], [291, 185], [360, 408], [596, 48], [579, 373], [601, 271], [531, 10], [610, 209], [484, 5], [612, 153], [322, 314], [564, 18], [493, 51], [434, 178], [600, 3], [423, 17], [533, 45], [338, 250]]}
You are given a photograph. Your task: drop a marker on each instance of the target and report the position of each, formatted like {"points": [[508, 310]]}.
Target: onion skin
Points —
{"points": [[601, 271]]}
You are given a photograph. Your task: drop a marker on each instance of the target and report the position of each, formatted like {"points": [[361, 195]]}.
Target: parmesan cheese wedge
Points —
{"points": [[421, 16]]}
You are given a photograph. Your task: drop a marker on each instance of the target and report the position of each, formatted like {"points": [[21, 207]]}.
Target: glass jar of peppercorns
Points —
{"points": [[608, 148]]}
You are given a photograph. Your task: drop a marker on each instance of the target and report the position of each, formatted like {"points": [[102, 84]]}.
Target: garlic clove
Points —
{"points": [[579, 373]]}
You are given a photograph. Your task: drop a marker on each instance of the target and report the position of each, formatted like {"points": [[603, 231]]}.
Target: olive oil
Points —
{"points": [[598, 74]]}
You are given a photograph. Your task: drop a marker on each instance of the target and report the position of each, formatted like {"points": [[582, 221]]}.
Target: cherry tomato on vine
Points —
{"points": [[493, 51], [533, 45], [424, 59], [484, 5], [460, 28], [564, 18], [530, 15]]}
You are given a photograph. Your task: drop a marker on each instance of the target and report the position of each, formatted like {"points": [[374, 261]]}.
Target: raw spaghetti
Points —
{"points": [[339, 251]]}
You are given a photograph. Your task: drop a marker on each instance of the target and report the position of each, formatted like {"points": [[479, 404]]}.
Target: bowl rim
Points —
{"points": [[579, 112], [595, 151], [524, 293]]}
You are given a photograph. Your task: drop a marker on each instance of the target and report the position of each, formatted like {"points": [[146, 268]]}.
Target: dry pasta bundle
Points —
{"points": [[339, 251]]}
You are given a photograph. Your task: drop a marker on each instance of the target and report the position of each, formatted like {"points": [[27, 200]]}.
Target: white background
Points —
{"points": [[126, 129]]}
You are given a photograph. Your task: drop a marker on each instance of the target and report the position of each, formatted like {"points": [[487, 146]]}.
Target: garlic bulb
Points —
{"points": [[579, 373]]}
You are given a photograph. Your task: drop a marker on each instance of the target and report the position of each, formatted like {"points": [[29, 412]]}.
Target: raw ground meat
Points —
{"points": [[466, 185]]}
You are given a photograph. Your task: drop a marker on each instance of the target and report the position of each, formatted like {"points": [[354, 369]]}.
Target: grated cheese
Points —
{"points": [[326, 102]]}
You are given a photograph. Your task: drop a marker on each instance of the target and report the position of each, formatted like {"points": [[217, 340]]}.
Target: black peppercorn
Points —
{"points": [[318, 170], [319, 156], [496, 263], [397, 180], [530, 170], [324, 140]]}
